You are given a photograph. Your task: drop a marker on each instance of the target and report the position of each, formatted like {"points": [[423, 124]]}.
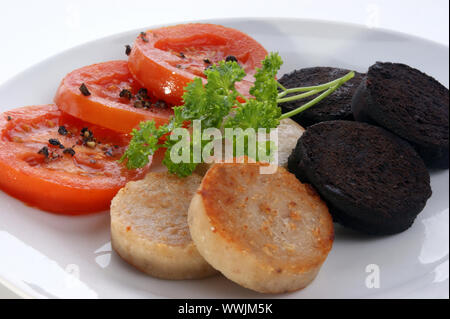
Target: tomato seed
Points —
{"points": [[90, 144]]}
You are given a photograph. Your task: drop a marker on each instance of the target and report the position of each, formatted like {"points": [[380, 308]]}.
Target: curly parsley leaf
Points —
{"points": [[181, 169], [216, 105], [210, 103], [265, 87], [143, 144], [195, 101], [255, 114], [223, 75]]}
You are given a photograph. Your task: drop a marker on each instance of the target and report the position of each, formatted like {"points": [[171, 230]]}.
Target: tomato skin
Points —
{"points": [[104, 106], [165, 60], [69, 185], [53, 198], [167, 85]]}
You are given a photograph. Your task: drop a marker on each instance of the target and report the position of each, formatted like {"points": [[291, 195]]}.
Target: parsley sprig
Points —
{"points": [[216, 105]]}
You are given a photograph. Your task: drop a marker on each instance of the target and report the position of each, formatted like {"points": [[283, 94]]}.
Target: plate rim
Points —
{"points": [[22, 293], [252, 19]]}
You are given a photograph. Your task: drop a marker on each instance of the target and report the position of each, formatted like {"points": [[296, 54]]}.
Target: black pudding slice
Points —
{"points": [[372, 180], [337, 106], [410, 104]]}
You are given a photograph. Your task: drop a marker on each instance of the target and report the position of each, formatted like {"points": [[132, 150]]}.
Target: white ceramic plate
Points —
{"points": [[44, 255]]}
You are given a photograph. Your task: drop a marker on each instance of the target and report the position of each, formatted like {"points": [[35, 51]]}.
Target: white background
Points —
{"points": [[31, 31]]}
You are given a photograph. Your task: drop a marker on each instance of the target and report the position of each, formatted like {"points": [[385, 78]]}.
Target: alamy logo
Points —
{"points": [[373, 16], [212, 145], [373, 277], [72, 278]]}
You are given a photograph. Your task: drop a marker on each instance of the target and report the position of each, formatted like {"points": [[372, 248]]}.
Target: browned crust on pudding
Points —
{"points": [[267, 232], [149, 227]]}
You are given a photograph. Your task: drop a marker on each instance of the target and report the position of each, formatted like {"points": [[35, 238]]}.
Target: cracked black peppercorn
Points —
{"points": [[62, 130], [144, 36], [109, 153], [54, 142], [84, 90], [44, 151], [231, 58], [126, 94], [87, 135], [161, 104], [142, 94], [127, 49], [69, 151], [138, 104]]}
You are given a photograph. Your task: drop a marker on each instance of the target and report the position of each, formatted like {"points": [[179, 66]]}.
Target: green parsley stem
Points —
{"points": [[281, 86], [310, 103], [319, 98], [300, 96], [320, 87]]}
